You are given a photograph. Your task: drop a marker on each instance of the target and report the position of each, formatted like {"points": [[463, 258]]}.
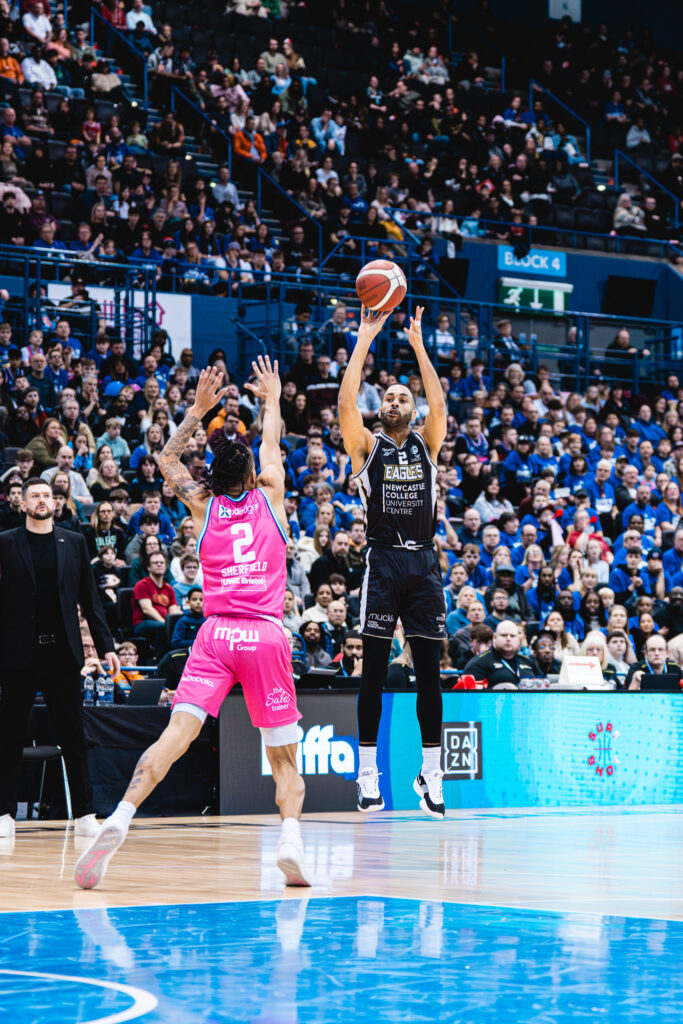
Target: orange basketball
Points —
{"points": [[381, 285]]}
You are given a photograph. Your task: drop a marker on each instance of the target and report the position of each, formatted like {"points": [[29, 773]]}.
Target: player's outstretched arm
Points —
{"points": [[435, 425], [208, 394], [356, 437], [267, 388]]}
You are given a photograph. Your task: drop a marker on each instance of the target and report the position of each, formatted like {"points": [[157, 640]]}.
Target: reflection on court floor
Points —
{"points": [[346, 959]]}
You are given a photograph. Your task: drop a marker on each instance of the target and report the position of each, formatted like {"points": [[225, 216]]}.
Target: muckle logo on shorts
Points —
{"points": [[377, 621], [462, 750], [237, 639], [279, 700]]}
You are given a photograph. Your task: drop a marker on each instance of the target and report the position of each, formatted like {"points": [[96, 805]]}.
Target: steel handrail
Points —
{"points": [[620, 155], [535, 85], [126, 42]]}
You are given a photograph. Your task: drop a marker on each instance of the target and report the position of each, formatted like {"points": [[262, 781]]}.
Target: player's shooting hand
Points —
{"points": [[267, 384], [371, 323], [208, 392], [414, 332]]}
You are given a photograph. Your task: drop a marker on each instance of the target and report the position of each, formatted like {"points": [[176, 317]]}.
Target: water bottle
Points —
{"points": [[108, 690], [100, 690], [88, 691]]}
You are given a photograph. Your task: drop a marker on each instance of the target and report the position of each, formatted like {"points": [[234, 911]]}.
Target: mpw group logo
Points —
{"points": [[462, 751], [602, 758]]}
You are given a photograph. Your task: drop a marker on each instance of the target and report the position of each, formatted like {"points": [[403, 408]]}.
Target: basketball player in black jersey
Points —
{"points": [[396, 472]]}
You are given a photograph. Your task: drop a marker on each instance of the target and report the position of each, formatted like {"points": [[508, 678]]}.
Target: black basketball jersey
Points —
{"points": [[398, 491]]}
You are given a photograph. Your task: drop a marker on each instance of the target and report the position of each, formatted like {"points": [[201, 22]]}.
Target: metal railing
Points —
{"points": [[265, 183], [535, 86], [115, 44], [621, 157], [199, 118], [572, 238], [573, 345], [128, 306]]}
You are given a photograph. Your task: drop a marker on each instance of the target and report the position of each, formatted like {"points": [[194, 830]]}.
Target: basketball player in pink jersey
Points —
{"points": [[241, 528]]}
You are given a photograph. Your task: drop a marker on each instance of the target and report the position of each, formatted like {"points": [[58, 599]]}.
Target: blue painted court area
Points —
{"points": [[337, 960]]}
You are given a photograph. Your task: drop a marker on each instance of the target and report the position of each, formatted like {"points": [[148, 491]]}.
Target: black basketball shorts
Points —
{"points": [[399, 583]]}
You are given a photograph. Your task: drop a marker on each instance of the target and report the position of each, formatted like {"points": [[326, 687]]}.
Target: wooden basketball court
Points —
{"points": [[474, 907]]}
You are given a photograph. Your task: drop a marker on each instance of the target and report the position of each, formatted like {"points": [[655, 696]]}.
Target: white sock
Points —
{"points": [[291, 830], [431, 759], [124, 813], [367, 758]]}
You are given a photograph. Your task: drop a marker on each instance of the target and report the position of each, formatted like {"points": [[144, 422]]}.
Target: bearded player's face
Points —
{"points": [[397, 409]]}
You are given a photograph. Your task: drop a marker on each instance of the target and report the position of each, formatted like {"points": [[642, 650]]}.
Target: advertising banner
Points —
{"points": [[172, 312], [327, 756], [543, 750], [499, 750]]}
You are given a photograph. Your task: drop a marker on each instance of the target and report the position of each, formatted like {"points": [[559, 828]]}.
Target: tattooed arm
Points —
{"points": [[177, 476], [272, 476]]}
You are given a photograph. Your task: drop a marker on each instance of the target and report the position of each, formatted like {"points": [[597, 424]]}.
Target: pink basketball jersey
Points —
{"points": [[242, 551]]}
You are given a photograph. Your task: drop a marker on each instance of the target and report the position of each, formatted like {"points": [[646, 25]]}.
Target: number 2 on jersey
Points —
{"points": [[244, 536]]}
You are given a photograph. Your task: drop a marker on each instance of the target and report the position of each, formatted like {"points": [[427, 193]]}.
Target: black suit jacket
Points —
{"points": [[18, 588]]}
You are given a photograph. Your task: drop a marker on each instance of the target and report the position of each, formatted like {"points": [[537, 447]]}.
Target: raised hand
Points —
{"points": [[208, 392], [414, 332], [371, 323], [267, 379]]}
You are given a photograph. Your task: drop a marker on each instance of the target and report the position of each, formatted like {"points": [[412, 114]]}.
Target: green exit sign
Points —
{"points": [[543, 296]]}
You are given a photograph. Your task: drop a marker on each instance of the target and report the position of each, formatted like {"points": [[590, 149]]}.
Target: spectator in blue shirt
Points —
{"points": [[669, 510], [475, 380], [526, 574], [508, 524], [673, 558], [190, 622], [629, 582], [600, 490], [647, 429], [152, 503], [573, 622], [578, 477], [653, 576], [630, 539], [645, 457], [543, 596], [55, 371], [471, 441], [517, 471], [574, 447], [543, 457], [477, 576], [527, 535], [641, 506]]}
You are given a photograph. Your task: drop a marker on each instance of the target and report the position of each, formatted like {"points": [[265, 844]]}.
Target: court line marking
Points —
{"points": [[143, 1002]]}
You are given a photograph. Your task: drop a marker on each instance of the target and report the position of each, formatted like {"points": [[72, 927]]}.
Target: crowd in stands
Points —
{"points": [[557, 511], [414, 146]]}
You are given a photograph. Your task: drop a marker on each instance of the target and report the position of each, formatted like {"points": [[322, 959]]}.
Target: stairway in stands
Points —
{"points": [[205, 161]]}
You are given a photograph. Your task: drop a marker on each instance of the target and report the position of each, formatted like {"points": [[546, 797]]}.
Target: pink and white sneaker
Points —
{"points": [[92, 865]]}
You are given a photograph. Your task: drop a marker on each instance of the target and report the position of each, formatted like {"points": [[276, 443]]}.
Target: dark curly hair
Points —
{"points": [[230, 468]]}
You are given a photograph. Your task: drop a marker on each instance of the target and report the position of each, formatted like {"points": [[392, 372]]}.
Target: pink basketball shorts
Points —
{"points": [[253, 652]]}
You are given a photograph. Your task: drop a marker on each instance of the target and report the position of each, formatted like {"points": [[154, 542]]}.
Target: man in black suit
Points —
{"points": [[45, 575]]}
